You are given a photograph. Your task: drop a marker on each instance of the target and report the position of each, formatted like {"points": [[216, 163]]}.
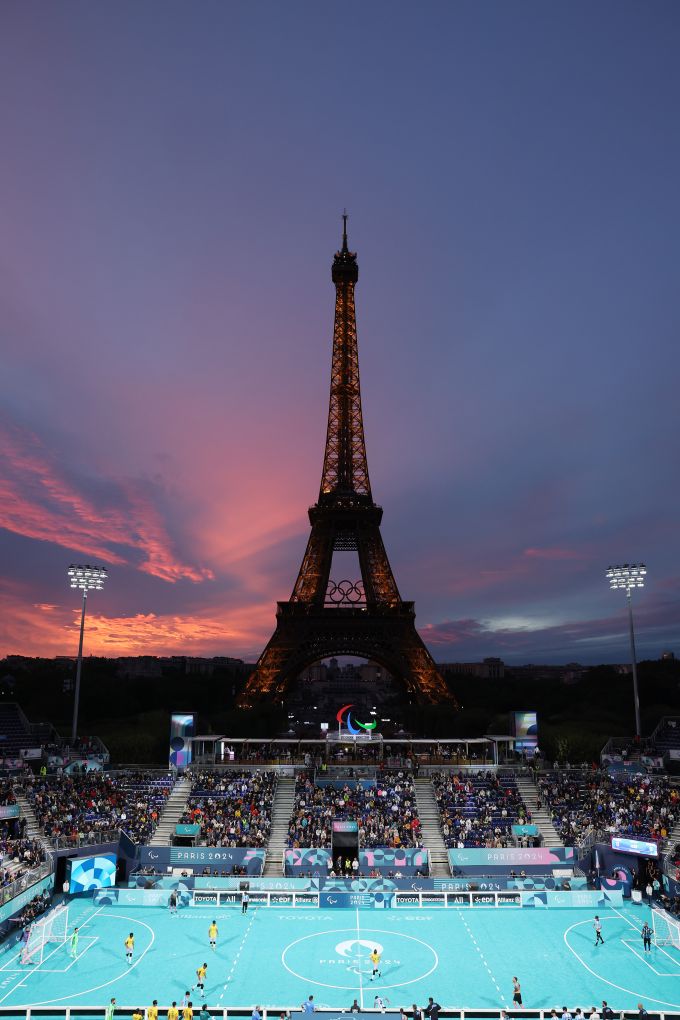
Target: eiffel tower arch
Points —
{"points": [[366, 618]]}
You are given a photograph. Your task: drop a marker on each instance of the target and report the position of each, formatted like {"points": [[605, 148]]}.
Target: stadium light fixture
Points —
{"points": [[627, 577], [87, 579]]}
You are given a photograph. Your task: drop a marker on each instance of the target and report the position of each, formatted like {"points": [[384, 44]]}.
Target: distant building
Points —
{"points": [[139, 666], [489, 669]]}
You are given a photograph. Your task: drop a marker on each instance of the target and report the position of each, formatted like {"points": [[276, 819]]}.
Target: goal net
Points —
{"points": [[50, 929], [666, 928]]}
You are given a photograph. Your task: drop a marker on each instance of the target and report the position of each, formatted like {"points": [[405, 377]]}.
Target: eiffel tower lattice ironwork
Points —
{"points": [[367, 618]]}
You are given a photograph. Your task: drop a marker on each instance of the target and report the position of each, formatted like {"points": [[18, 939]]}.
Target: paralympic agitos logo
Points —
{"points": [[350, 725]]}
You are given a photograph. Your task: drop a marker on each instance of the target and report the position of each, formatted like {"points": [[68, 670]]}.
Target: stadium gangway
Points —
{"points": [[275, 1012]]}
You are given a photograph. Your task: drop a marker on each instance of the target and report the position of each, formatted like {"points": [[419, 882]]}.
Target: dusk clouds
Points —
{"points": [[170, 206]]}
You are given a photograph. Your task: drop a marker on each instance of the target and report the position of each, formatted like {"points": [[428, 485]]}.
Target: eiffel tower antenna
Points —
{"points": [[322, 618]]}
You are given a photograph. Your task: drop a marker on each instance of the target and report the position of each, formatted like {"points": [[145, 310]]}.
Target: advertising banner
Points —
{"points": [[458, 900], [281, 899], [345, 825], [483, 859], [187, 830], [9, 811], [198, 857], [508, 899], [350, 900], [525, 830], [206, 899], [408, 862], [590, 898]]}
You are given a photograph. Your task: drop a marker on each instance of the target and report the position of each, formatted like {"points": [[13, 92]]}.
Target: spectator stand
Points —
{"points": [[591, 805], [87, 809], [383, 807], [232, 808], [479, 810]]}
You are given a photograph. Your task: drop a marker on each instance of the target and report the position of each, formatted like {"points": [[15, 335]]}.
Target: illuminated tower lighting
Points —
{"points": [[88, 579], [627, 577]]}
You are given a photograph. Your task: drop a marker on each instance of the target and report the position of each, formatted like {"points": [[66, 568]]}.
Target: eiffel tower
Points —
{"points": [[366, 618]]}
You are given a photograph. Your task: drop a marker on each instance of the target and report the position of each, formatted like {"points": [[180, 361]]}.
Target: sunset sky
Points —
{"points": [[171, 182]]}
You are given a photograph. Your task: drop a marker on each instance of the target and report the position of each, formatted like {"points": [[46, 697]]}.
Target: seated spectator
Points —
{"points": [[95, 806], [478, 810], [386, 812], [232, 808]]}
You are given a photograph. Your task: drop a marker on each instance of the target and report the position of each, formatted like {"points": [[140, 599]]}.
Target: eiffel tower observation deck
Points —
{"points": [[367, 617]]}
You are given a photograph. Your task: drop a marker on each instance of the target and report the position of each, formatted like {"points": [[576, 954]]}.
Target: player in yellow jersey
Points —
{"points": [[375, 962], [173, 1012], [188, 1011], [137, 1015], [212, 935], [129, 948], [200, 979], [152, 1011]]}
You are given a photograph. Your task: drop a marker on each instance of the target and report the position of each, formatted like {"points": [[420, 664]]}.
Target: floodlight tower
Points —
{"points": [[629, 576], [86, 578]]}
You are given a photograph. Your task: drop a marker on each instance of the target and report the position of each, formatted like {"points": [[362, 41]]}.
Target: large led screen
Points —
{"points": [[181, 732], [526, 731], [641, 847], [84, 874]]}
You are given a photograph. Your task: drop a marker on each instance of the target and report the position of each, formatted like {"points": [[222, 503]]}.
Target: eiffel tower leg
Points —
{"points": [[266, 679], [428, 683]]}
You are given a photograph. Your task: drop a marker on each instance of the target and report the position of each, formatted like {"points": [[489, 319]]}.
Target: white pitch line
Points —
{"points": [[639, 930], [600, 977], [484, 960], [239, 950], [361, 979]]}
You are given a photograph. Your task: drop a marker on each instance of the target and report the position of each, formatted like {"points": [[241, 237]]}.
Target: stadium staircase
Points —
{"points": [[282, 810], [172, 812], [671, 840], [430, 828], [33, 830], [539, 816]]}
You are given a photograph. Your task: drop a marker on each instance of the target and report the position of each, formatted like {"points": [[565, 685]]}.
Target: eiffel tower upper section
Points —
{"points": [[345, 468], [345, 516], [313, 624]]}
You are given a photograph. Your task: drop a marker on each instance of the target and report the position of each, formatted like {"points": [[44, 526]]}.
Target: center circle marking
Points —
{"points": [[342, 945]]}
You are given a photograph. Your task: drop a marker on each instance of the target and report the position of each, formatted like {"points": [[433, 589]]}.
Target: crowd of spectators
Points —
{"points": [[478, 810], [641, 806], [385, 812], [33, 909], [95, 806], [18, 855], [233, 809]]}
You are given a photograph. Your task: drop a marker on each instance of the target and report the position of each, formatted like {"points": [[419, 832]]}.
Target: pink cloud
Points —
{"points": [[46, 629], [37, 501]]}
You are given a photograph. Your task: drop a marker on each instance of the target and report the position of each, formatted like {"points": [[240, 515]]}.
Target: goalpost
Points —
{"points": [[53, 928], [666, 928]]}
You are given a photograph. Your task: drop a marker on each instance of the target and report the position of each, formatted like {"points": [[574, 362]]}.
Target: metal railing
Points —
{"points": [[83, 839], [8, 892]]}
